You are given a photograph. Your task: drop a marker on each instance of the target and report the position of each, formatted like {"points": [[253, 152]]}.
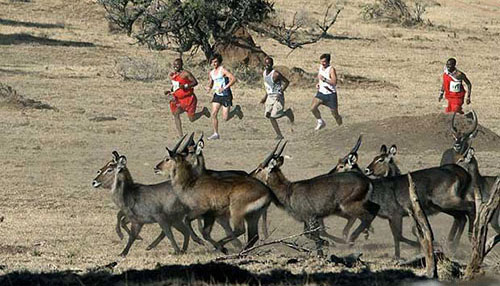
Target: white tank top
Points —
{"points": [[218, 79], [326, 88], [271, 86]]}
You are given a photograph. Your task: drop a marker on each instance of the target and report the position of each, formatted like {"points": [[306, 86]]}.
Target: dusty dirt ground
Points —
{"points": [[60, 53]]}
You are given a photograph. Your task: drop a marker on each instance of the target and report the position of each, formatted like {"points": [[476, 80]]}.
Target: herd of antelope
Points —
{"points": [[235, 199]]}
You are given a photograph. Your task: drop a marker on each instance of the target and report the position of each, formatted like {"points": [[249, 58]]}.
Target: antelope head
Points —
{"points": [[350, 161], [105, 175], [462, 140], [383, 165], [164, 166], [272, 163]]}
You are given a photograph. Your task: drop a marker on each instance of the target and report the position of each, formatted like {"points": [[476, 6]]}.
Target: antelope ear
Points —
{"points": [[280, 161], [383, 149], [271, 165], [116, 156], [170, 152], [393, 150], [474, 134], [352, 159], [199, 147], [122, 160]]}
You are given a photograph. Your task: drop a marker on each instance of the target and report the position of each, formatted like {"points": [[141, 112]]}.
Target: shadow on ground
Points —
{"points": [[30, 24], [211, 273], [23, 38]]}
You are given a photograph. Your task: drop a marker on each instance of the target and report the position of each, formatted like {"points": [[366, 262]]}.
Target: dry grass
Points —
{"points": [[55, 221]]}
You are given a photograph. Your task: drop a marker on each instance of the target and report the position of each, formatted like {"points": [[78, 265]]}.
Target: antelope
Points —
{"points": [[311, 200], [143, 204], [122, 220], [208, 196], [199, 159], [462, 141], [441, 189], [483, 183]]}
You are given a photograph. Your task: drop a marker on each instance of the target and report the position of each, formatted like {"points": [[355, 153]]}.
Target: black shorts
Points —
{"points": [[329, 100], [225, 100]]}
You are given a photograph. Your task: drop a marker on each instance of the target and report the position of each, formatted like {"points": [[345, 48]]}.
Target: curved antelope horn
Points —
{"points": [[270, 156], [356, 147], [280, 150], [177, 145], [189, 142], [185, 145], [474, 127], [453, 128]]}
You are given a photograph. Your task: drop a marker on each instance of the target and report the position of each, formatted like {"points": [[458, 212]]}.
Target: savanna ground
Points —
{"points": [[61, 53]]}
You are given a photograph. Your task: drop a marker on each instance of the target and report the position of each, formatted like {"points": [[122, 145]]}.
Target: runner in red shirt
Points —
{"points": [[182, 97], [453, 89]]}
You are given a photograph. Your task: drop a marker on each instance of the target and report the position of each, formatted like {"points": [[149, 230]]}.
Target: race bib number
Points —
{"points": [[175, 85], [269, 89], [455, 86]]}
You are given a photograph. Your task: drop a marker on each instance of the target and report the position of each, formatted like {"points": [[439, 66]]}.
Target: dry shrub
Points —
{"points": [[10, 97], [140, 69], [246, 74], [395, 11]]}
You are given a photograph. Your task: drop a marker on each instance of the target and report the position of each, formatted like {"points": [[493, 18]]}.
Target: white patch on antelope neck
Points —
{"points": [[258, 204], [95, 184]]}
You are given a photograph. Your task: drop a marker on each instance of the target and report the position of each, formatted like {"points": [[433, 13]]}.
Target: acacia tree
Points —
{"points": [[189, 25]]}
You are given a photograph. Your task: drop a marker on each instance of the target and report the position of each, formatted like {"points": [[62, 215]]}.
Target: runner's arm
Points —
{"points": [[192, 79], [231, 77], [277, 76], [210, 82], [333, 77], [469, 86]]}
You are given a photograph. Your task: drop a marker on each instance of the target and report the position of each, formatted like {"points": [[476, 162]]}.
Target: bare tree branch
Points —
{"points": [[283, 241], [294, 35]]}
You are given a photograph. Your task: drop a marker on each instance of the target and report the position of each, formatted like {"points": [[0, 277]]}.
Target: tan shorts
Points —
{"points": [[275, 105]]}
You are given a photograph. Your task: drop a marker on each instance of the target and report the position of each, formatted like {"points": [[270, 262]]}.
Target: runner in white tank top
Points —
{"points": [[327, 92], [274, 100], [220, 81]]}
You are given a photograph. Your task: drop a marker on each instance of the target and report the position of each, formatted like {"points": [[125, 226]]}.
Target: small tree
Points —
{"points": [[189, 25]]}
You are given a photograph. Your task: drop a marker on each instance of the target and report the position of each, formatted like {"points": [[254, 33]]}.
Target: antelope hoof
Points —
{"points": [[138, 237], [123, 254], [120, 235], [198, 241], [149, 247], [179, 252]]}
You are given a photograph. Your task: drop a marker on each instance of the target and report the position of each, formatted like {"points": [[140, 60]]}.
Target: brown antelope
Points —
{"points": [[208, 196], [462, 141], [483, 183], [441, 189], [195, 156], [463, 154], [311, 200], [143, 204]]}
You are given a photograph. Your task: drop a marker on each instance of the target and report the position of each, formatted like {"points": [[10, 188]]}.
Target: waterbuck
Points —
{"points": [[195, 155], [144, 204], [462, 141], [440, 189], [310, 201], [209, 196], [483, 183]]}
